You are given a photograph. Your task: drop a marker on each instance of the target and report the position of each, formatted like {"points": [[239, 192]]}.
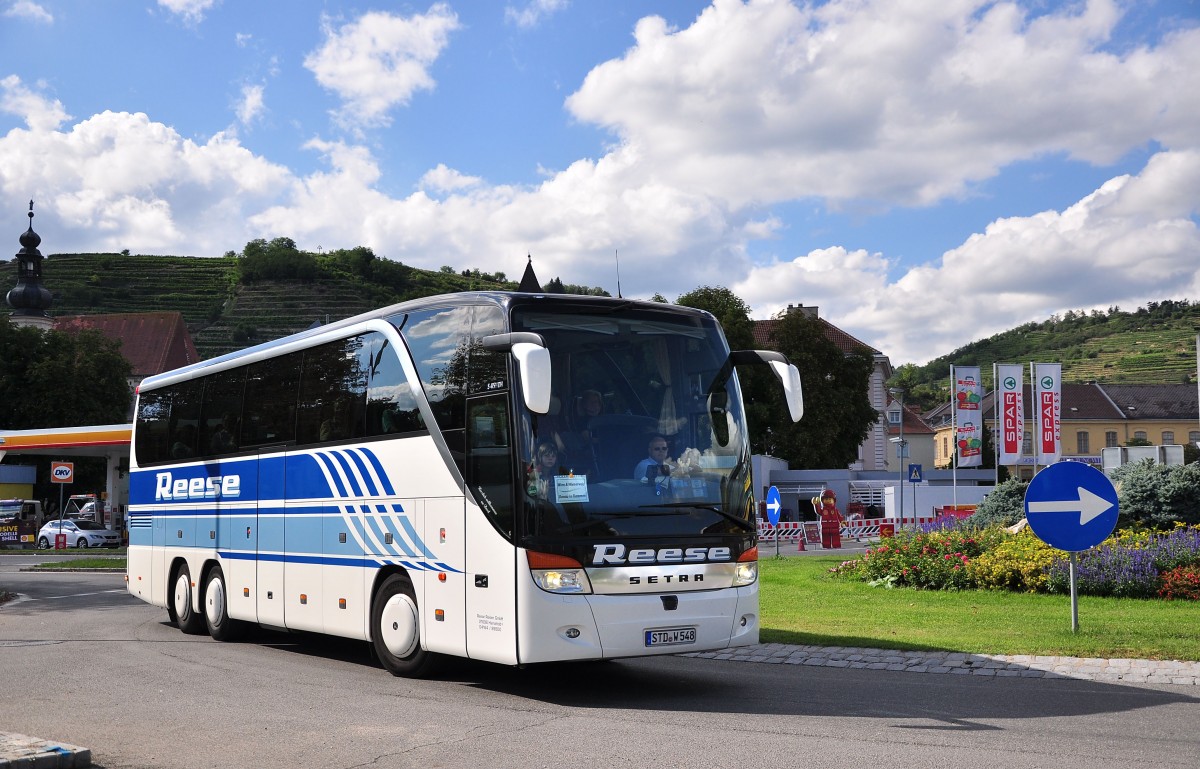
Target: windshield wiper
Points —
{"points": [[726, 515]]}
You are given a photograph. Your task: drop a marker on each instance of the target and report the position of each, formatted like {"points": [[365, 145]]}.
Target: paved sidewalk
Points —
{"points": [[18, 751], [1172, 672]]}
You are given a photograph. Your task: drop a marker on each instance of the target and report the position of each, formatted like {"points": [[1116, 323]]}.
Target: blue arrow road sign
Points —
{"points": [[773, 506], [1071, 506]]}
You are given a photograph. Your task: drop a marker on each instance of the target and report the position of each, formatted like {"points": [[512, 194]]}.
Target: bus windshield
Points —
{"points": [[645, 436]]}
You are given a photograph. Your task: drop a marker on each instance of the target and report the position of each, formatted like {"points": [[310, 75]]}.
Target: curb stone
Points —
{"points": [[1173, 672], [19, 751]]}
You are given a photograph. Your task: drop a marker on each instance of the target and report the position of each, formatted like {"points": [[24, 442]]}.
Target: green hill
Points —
{"points": [[224, 312], [1155, 344], [269, 290]]}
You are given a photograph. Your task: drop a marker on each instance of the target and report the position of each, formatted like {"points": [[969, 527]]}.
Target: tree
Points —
{"points": [[60, 379], [730, 310], [837, 411]]}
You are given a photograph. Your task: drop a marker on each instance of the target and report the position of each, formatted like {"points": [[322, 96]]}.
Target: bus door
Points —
{"points": [[491, 577], [268, 540]]}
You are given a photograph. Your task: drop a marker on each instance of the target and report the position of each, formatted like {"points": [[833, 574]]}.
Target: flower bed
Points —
{"points": [[955, 555]]}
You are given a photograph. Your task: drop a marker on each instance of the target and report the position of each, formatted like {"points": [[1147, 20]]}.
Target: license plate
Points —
{"points": [[671, 636]]}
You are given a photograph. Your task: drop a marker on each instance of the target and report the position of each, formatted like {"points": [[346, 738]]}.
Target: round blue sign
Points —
{"points": [[773, 506], [1071, 506]]}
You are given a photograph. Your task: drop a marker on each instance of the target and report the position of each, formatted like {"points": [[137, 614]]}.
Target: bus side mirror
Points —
{"points": [[789, 377], [785, 370], [533, 364]]}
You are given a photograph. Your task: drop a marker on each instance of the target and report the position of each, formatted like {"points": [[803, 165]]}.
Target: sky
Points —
{"points": [[925, 172]]}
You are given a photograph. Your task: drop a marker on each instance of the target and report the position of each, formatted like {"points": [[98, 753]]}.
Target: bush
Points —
{"points": [[1107, 571], [1181, 583], [1004, 505], [1018, 562], [933, 560]]}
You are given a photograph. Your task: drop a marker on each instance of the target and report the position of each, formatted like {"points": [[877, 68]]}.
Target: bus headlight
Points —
{"points": [[747, 568], [558, 573]]}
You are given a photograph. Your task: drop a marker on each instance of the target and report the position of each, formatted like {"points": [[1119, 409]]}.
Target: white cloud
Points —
{"points": [[191, 11], [30, 11], [38, 112], [533, 12], [119, 180], [898, 102], [251, 104], [380, 60], [1132, 241], [443, 179]]}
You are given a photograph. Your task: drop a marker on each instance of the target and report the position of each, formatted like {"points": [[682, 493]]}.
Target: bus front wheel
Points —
{"points": [[396, 629], [180, 609], [216, 608]]}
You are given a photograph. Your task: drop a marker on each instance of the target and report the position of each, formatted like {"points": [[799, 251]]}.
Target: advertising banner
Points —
{"points": [[1047, 399], [1010, 412], [968, 421]]}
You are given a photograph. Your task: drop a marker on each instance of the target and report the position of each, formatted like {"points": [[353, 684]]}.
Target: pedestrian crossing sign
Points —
{"points": [[914, 474]]}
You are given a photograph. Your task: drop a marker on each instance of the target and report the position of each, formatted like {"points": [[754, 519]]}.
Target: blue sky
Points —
{"points": [[927, 172]]}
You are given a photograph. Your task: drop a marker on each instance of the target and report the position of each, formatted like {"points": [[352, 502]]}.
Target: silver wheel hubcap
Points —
{"points": [[182, 605], [398, 625], [214, 600]]}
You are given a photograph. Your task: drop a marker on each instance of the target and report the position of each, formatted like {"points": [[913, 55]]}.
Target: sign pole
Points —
{"points": [[1074, 596]]}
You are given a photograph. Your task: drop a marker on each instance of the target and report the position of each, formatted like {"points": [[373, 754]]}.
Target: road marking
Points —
{"points": [[76, 595]]}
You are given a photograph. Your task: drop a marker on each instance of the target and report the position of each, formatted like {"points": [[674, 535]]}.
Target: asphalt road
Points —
{"points": [[87, 664]]}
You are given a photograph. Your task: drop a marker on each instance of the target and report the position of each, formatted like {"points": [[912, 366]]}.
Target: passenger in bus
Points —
{"points": [[185, 442], [655, 465], [337, 426], [580, 443], [545, 467], [224, 438]]}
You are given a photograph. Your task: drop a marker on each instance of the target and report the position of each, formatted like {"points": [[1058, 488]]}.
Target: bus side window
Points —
{"points": [[154, 412], [391, 406], [222, 412], [489, 459], [270, 413]]}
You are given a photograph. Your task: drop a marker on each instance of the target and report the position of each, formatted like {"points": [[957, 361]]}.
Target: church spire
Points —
{"points": [[30, 299], [529, 281]]}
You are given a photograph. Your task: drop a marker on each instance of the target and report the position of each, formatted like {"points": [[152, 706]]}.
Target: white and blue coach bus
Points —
{"points": [[379, 478]]}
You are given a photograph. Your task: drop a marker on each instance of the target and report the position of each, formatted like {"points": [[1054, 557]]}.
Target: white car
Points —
{"points": [[80, 533]]}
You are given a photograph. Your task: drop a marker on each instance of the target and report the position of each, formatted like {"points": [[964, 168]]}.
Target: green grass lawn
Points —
{"points": [[802, 603]]}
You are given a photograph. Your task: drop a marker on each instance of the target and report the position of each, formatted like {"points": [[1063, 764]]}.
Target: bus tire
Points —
{"points": [[396, 629], [180, 609], [216, 608]]}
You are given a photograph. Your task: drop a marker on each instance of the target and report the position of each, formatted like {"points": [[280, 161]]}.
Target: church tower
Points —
{"points": [[30, 299]]}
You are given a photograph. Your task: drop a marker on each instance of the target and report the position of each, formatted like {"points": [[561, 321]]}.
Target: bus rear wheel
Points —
{"points": [[396, 629], [180, 607], [216, 608]]}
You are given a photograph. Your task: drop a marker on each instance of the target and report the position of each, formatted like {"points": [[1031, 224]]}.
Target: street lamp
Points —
{"points": [[898, 394]]}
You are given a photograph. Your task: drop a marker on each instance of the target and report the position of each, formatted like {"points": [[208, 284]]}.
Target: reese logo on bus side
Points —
{"points": [[168, 488], [614, 555]]}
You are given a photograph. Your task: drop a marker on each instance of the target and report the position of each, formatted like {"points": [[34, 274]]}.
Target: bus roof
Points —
{"points": [[503, 299]]}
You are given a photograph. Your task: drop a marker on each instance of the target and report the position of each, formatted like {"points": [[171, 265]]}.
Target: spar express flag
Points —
{"points": [[1047, 399], [1010, 406], [968, 419]]}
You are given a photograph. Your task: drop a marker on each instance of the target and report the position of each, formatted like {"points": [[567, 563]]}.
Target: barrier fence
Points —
{"points": [[865, 528]]}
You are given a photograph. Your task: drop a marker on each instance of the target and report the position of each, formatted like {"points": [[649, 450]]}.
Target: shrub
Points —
{"points": [[1004, 505], [1018, 562], [933, 560], [1107, 571], [1180, 584]]}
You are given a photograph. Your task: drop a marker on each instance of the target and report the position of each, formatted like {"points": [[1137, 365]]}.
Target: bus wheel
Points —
{"points": [[180, 610], [396, 629], [216, 608]]}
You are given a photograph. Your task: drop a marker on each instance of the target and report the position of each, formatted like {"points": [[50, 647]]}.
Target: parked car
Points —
{"points": [[80, 533]]}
